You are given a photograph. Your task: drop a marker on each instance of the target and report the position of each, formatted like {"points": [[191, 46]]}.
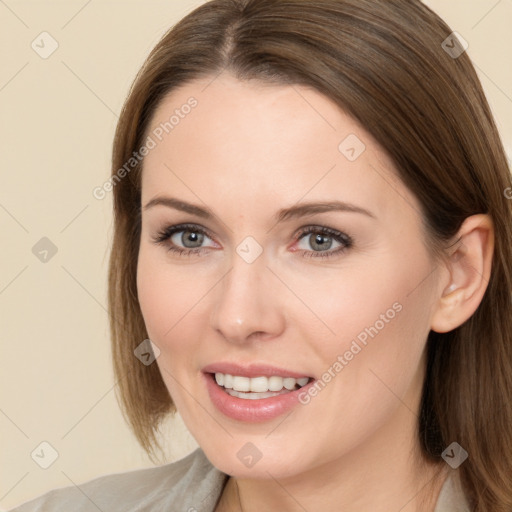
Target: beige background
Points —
{"points": [[57, 122]]}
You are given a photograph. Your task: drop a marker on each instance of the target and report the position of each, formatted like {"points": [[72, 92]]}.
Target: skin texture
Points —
{"points": [[246, 151]]}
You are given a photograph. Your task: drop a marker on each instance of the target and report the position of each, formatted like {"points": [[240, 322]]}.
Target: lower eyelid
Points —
{"points": [[325, 254]]}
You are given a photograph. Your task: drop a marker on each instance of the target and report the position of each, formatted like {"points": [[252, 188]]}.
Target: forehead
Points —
{"points": [[220, 137]]}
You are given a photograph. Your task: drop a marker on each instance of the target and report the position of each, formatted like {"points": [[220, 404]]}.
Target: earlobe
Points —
{"points": [[469, 269]]}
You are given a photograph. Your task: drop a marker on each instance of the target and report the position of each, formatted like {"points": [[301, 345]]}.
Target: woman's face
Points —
{"points": [[302, 256]]}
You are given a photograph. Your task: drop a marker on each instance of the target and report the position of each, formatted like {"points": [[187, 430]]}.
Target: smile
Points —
{"points": [[254, 393]]}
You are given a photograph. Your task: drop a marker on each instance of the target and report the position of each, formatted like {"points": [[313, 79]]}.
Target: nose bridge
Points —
{"points": [[244, 304]]}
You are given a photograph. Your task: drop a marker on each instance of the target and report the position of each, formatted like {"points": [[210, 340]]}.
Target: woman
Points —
{"points": [[312, 228]]}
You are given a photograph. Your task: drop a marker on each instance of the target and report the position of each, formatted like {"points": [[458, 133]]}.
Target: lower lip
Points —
{"points": [[253, 411]]}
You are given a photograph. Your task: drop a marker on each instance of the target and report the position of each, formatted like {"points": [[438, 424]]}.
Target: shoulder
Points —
{"points": [[191, 484], [452, 498]]}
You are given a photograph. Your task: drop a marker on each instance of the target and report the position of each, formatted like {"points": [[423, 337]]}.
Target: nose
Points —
{"points": [[248, 305]]}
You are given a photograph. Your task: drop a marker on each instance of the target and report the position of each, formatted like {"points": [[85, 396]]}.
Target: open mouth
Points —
{"points": [[256, 388]]}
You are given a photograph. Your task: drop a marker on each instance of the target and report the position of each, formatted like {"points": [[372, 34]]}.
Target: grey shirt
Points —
{"points": [[191, 484]]}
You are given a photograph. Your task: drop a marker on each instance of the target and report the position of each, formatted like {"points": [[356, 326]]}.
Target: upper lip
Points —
{"points": [[252, 370]]}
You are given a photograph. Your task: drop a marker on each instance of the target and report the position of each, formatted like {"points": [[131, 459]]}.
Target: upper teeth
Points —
{"points": [[258, 384]]}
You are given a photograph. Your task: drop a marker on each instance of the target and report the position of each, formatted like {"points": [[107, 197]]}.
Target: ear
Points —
{"points": [[469, 269]]}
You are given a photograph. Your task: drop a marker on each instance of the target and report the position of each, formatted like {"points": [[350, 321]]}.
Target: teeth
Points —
{"points": [[241, 383], [228, 381], [258, 385], [275, 383], [289, 383]]}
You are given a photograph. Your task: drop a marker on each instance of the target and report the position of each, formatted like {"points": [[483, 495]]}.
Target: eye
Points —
{"points": [[184, 239], [322, 242], [313, 241]]}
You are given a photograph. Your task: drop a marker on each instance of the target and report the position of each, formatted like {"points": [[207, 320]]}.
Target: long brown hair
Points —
{"points": [[383, 62]]}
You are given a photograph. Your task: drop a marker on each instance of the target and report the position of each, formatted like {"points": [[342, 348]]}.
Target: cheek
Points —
{"points": [[169, 301], [373, 363], [167, 297], [375, 317]]}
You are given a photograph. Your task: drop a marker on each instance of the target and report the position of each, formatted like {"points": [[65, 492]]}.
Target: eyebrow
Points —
{"points": [[299, 210]]}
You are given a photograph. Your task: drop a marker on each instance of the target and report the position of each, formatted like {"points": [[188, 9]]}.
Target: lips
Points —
{"points": [[230, 389]]}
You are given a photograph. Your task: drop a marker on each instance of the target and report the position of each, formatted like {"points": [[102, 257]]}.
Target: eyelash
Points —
{"points": [[165, 234]]}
